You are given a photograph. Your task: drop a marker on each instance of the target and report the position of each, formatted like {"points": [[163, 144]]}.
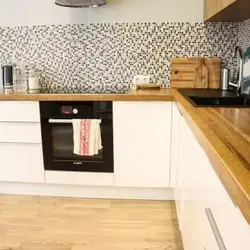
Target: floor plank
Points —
{"points": [[48, 223]]}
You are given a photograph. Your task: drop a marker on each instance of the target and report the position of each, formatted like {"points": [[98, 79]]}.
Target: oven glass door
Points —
{"points": [[63, 145], [59, 148]]}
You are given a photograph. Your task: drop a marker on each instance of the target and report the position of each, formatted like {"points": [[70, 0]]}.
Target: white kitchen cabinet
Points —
{"points": [[142, 139], [196, 183], [19, 111], [175, 145], [231, 225], [20, 132], [192, 218], [177, 161], [21, 163], [207, 217], [21, 158]]}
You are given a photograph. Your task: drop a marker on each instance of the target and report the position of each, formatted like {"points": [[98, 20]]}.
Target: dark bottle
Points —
{"points": [[7, 74]]}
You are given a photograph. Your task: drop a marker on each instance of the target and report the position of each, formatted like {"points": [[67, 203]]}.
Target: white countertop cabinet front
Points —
{"points": [[207, 217], [20, 143], [142, 140]]}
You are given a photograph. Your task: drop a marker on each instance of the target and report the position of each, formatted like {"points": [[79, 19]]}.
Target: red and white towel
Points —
{"points": [[87, 137]]}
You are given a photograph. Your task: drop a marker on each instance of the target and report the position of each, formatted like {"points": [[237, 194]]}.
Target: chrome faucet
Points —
{"points": [[239, 83]]}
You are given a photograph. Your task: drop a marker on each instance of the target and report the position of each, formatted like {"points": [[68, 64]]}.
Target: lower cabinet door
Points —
{"points": [[142, 140], [192, 225], [232, 226], [200, 231], [21, 163]]}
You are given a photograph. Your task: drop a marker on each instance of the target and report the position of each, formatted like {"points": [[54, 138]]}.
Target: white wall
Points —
{"points": [[149, 10], [39, 12]]}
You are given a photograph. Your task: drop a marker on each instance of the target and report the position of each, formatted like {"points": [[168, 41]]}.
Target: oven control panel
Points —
{"points": [[69, 110], [76, 110]]}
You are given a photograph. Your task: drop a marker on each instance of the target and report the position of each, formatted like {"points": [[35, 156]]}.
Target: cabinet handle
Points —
{"points": [[215, 229]]}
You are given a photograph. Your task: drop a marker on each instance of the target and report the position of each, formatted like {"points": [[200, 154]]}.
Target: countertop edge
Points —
{"points": [[134, 95]]}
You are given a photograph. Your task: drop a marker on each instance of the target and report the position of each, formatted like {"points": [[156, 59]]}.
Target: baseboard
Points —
{"points": [[86, 191]]}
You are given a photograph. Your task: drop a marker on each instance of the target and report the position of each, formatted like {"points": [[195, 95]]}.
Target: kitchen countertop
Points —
{"points": [[224, 133], [132, 95]]}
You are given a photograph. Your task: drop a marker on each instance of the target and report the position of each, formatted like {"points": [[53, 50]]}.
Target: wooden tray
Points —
{"points": [[149, 86]]}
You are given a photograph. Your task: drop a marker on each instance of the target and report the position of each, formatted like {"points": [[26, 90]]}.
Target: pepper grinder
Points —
{"points": [[7, 74]]}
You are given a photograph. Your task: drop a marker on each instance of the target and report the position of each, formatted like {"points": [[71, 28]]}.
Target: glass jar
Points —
{"points": [[19, 79], [34, 81]]}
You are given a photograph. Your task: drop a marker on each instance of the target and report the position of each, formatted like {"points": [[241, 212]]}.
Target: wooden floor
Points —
{"points": [[42, 223]]}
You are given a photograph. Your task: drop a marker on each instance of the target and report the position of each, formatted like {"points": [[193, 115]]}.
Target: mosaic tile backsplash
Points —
{"points": [[98, 55]]}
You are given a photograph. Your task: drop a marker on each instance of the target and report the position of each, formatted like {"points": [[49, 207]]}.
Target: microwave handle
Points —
{"points": [[61, 121]]}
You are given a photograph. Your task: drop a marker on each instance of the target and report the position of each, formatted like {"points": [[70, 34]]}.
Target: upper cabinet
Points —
{"points": [[226, 10]]}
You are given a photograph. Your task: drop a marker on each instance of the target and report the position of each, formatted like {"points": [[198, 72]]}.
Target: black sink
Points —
{"points": [[215, 98], [219, 101]]}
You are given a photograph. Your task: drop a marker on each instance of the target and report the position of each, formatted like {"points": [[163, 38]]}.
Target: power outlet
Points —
{"points": [[140, 79]]}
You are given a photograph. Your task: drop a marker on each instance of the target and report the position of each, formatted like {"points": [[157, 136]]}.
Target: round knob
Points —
{"points": [[75, 111]]}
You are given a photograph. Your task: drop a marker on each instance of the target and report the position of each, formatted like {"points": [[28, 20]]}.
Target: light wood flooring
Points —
{"points": [[46, 223]]}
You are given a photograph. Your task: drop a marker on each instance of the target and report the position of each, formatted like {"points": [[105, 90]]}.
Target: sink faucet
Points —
{"points": [[239, 83]]}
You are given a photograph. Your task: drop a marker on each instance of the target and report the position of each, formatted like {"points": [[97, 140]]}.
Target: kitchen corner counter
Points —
{"points": [[132, 95], [224, 134]]}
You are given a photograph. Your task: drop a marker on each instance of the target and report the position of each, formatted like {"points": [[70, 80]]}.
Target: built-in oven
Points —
{"points": [[57, 136]]}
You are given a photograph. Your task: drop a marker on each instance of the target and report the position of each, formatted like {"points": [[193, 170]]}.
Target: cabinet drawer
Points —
{"points": [[20, 132], [19, 111], [21, 163]]}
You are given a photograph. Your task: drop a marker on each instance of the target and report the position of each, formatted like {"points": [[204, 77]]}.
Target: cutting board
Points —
{"points": [[196, 73]]}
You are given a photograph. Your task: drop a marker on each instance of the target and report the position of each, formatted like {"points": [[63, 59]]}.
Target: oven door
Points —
{"points": [[58, 148]]}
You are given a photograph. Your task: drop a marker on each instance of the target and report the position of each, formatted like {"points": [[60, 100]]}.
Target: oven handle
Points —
{"points": [[61, 121], [68, 121]]}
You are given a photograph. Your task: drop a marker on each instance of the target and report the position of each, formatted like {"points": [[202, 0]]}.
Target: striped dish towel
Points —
{"points": [[87, 137]]}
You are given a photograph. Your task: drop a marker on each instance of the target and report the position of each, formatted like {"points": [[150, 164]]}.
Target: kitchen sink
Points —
{"points": [[215, 98], [220, 101]]}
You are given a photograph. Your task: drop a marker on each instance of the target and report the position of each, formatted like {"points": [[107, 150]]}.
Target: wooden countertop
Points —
{"points": [[132, 95], [224, 133]]}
